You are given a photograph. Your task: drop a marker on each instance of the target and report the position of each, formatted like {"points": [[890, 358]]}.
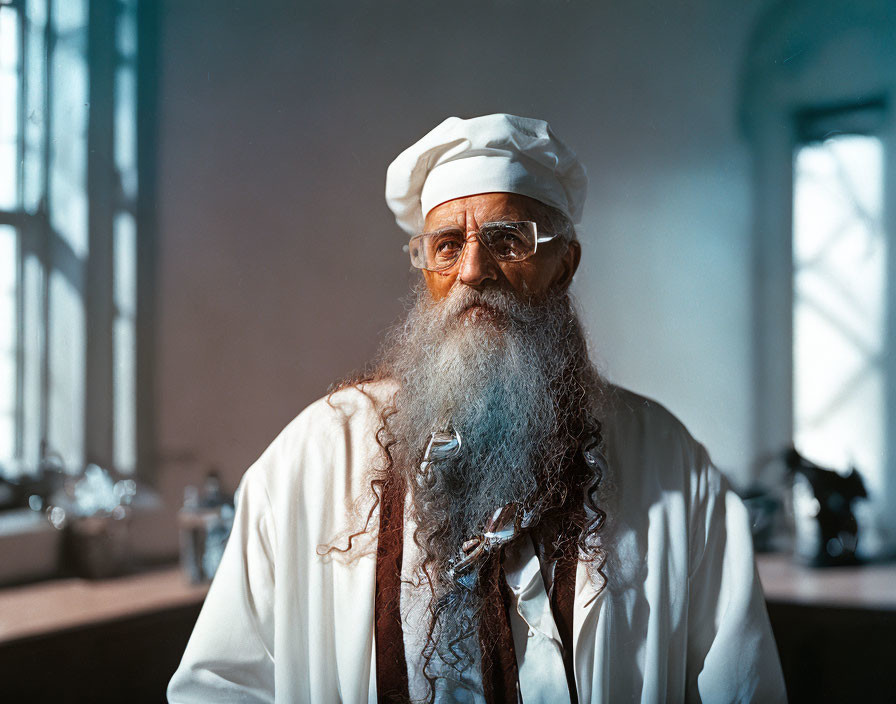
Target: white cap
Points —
{"points": [[493, 153]]}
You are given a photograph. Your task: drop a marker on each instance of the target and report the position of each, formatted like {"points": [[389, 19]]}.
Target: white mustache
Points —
{"points": [[462, 298]]}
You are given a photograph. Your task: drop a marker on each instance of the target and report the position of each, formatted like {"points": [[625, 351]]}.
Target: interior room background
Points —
{"points": [[278, 264], [194, 246], [260, 263]]}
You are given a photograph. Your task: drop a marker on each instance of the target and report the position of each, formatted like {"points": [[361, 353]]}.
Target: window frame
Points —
{"points": [[93, 278]]}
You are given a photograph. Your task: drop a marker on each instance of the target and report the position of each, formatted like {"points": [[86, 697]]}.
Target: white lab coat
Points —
{"points": [[682, 617]]}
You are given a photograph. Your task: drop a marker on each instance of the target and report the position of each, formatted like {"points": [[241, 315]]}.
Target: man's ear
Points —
{"points": [[569, 264]]}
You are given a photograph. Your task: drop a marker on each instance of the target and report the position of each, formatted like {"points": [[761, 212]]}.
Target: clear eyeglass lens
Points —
{"points": [[443, 248], [509, 241], [440, 250]]}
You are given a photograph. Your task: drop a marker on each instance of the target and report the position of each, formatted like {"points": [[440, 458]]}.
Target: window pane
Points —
{"points": [[125, 439], [69, 16], [32, 348], [125, 373], [35, 105], [125, 253], [66, 380], [126, 130], [126, 30], [69, 111], [9, 106], [8, 395], [9, 44], [8, 286], [839, 305], [36, 11]]}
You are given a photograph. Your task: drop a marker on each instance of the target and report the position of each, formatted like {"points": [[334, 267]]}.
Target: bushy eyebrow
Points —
{"points": [[445, 230], [501, 217]]}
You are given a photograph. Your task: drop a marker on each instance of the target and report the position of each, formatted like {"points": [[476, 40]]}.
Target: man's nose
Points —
{"points": [[476, 264]]}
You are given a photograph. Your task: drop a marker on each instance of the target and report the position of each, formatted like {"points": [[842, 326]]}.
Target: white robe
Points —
{"points": [[682, 617]]}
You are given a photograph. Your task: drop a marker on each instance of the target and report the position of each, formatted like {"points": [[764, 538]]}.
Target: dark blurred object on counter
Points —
{"points": [[826, 532]]}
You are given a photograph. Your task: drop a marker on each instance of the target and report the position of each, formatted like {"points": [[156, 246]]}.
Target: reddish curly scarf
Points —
{"points": [[499, 666]]}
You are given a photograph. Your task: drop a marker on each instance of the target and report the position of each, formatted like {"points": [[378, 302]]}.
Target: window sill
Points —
{"points": [[66, 604]]}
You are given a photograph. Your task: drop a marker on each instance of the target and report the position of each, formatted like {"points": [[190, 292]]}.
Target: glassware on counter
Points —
{"points": [[205, 522]]}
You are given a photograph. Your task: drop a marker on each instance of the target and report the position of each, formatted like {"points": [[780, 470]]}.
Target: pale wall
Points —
{"points": [[279, 263]]}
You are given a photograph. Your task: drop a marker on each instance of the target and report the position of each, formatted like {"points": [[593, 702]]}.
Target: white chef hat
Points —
{"points": [[493, 153]]}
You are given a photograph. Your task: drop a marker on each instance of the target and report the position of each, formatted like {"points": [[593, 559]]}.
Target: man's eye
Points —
{"points": [[448, 245], [508, 243]]}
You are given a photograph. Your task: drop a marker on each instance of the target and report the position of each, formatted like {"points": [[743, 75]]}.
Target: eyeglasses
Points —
{"points": [[507, 242]]}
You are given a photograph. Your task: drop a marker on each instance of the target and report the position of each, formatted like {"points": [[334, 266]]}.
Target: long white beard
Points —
{"points": [[514, 380]]}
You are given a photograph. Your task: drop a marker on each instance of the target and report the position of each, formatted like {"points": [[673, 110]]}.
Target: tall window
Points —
{"points": [[839, 304], [68, 233], [817, 106]]}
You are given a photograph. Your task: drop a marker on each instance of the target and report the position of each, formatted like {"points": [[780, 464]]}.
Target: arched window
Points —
{"points": [[817, 107]]}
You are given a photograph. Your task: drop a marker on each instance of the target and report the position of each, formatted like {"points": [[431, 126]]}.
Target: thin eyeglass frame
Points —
{"points": [[500, 223]]}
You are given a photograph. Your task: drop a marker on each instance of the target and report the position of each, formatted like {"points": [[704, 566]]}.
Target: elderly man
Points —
{"points": [[484, 518]]}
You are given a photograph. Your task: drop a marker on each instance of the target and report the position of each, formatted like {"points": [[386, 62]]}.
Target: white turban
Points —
{"points": [[493, 153]]}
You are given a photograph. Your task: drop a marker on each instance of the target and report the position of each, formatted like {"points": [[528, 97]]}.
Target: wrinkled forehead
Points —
{"points": [[472, 211]]}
